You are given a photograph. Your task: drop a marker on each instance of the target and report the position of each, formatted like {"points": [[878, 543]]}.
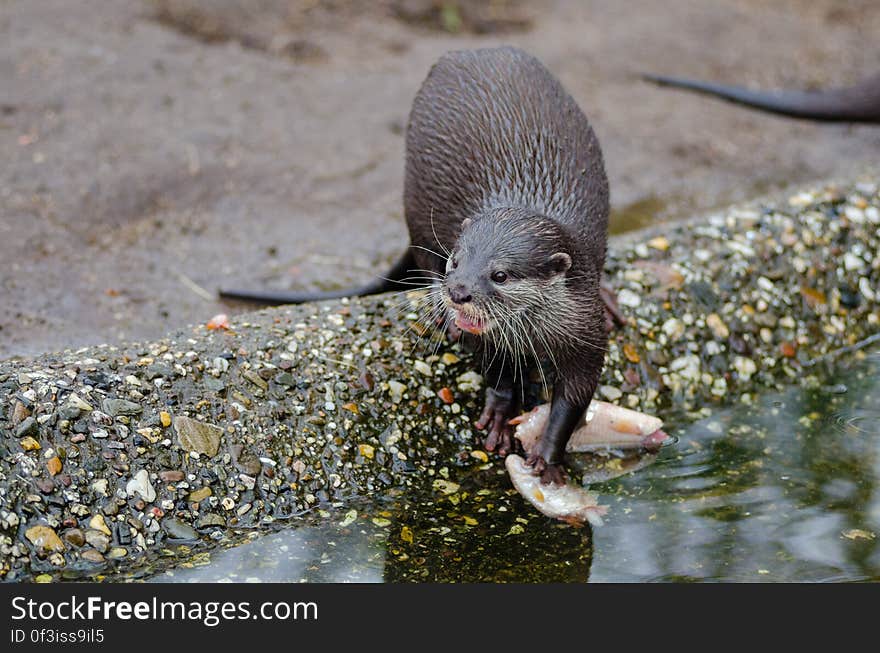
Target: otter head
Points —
{"points": [[508, 266]]}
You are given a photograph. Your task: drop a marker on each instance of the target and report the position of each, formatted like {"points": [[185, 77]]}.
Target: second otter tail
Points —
{"points": [[394, 280]]}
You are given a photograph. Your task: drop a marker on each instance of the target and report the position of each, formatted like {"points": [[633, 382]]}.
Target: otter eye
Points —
{"points": [[499, 277]]}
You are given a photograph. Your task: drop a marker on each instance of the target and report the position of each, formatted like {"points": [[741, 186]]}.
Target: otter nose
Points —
{"points": [[459, 294]]}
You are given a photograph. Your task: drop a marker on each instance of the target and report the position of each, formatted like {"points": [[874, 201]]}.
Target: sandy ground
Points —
{"points": [[154, 151]]}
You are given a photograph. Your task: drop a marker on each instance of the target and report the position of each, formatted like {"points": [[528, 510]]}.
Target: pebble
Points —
{"points": [[54, 465], [29, 444], [45, 540], [179, 530], [19, 413], [117, 407], [716, 324], [90, 555], [97, 523], [197, 496], [171, 476], [256, 379], [165, 419], [198, 436], [610, 392], [28, 427], [628, 298], [745, 367], [74, 536], [140, 484], [396, 390], [75, 401], [99, 540]]}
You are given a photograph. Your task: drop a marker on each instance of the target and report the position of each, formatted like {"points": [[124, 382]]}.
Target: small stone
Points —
{"points": [[211, 519], [100, 487], [610, 392], [480, 455], [75, 401], [171, 476], [745, 367], [256, 379], [626, 297], [446, 487], [367, 450], [197, 496], [422, 368], [98, 540], [46, 485], [446, 395], [28, 427], [97, 523], [29, 444], [449, 358], [673, 328], [716, 324], [285, 378], [179, 530], [44, 539], [54, 465], [858, 534], [118, 552], [90, 555], [396, 390], [20, 413], [140, 484], [788, 349], [198, 436], [631, 354], [852, 263], [469, 381], [659, 243], [165, 419], [117, 407], [228, 503], [74, 536]]}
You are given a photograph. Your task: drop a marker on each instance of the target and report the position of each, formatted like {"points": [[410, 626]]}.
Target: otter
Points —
{"points": [[506, 200], [859, 103]]}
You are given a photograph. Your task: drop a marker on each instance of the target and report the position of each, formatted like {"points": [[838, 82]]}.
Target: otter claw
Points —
{"points": [[495, 419], [551, 474]]}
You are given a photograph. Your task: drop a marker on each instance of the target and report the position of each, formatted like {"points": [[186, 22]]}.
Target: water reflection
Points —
{"points": [[784, 489]]}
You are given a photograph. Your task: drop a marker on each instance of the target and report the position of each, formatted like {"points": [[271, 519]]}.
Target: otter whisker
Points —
{"points": [[434, 231]]}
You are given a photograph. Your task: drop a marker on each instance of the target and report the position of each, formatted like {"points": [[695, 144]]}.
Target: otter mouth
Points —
{"points": [[469, 323]]}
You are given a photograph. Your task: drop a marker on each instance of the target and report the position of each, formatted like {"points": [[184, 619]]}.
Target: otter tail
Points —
{"points": [[394, 280], [859, 103]]}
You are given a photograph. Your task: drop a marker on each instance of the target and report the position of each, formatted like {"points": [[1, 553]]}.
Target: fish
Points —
{"points": [[604, 426], [569, 503]]}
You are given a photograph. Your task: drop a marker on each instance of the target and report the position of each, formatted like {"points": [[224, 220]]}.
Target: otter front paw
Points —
{"points": [[498, 410], [550, 473]]}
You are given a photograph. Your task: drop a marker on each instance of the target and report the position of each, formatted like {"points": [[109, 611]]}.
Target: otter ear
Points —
{"points": [[560, 262]]}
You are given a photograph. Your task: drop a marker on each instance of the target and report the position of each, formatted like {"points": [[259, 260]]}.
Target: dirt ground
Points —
{"points": [[156, 150]]}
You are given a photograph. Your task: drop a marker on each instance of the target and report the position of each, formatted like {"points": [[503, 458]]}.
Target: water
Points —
{"points": [[785, 489]]}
